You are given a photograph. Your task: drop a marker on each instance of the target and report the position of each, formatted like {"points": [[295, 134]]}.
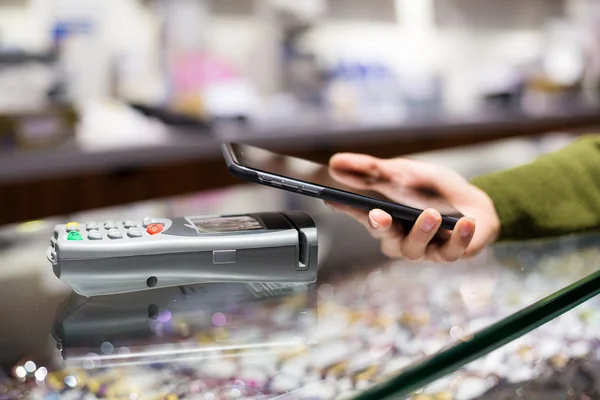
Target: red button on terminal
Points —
{"points": [[153, 229]]}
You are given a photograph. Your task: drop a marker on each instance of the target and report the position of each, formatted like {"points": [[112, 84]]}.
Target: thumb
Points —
{"points": [[419, 175], [359, 164]]}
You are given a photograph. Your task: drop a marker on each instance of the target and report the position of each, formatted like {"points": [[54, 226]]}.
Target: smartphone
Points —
{"points": [[309, 178]]}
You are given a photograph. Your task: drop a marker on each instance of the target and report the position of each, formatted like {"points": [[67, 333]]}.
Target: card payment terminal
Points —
{"points": [[109, 257]]}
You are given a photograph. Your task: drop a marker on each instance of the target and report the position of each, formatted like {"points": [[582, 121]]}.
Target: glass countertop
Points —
{"points": [[369, 328]]}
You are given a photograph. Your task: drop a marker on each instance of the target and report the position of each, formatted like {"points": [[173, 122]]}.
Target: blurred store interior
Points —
{"points": [[109, 102], [127, 100], [114, 109]]}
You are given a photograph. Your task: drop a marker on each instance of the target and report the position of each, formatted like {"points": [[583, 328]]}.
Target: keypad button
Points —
{"points": [[149, 221], [74, 235], [72, 226], [154, 229], [129, 224], [92, 226], [110, 225], [134, 233], [94, 235], [114, 234]]}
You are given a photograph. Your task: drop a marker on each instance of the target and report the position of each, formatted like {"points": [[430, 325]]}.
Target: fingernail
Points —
{"points": [[373, 223], [428, 224], [328, 205], [465, 230]]}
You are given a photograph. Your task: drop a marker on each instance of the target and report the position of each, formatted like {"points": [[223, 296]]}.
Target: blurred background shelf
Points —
{"points": [[177, 162], [452, 78]]}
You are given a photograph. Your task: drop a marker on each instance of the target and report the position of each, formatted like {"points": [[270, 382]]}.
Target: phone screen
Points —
{"points": [[321, 175]]}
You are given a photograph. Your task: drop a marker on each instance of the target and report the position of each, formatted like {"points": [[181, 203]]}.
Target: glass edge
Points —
{"points": [[485, 341]]}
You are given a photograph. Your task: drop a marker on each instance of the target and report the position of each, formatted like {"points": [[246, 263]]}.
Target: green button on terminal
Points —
{"points": [[74, 235]]}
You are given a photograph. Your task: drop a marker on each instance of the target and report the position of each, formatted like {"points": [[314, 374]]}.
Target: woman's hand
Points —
{"points": [[423, 241]]}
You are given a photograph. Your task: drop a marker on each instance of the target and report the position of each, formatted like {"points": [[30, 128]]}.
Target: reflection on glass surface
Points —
{"points": [[535, 283], [559, 360], [403, 326], [186, 323]]}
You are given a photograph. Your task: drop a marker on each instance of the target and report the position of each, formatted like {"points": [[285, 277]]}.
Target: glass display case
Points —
{"points": [[519, 321]]}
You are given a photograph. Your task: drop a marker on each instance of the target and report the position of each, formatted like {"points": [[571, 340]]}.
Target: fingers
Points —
{"points": [[414, 246], [352, 162], [379, 223], [385, 228], [357, 171], [424, 241], [370, 181], [351, 180], [380, 220], [361, 164], [456, 246]]}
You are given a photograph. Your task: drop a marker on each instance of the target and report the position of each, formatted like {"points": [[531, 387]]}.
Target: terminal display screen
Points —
{"points": [[225, 224]]}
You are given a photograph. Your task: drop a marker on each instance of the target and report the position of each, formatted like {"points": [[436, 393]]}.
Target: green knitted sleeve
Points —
{"points": [[557, 194]]}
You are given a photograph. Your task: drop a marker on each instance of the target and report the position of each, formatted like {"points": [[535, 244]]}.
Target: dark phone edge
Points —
{"points": [[398, 211]]}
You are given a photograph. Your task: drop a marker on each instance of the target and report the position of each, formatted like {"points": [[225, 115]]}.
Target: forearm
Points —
{"points": [[557, 194]]}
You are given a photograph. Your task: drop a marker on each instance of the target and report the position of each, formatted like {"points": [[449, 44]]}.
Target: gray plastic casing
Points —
{"points": [[286, 250]]}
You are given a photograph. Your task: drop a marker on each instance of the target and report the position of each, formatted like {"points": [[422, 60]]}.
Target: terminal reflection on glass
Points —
{"points": [[225, 224], [185, 323]]}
